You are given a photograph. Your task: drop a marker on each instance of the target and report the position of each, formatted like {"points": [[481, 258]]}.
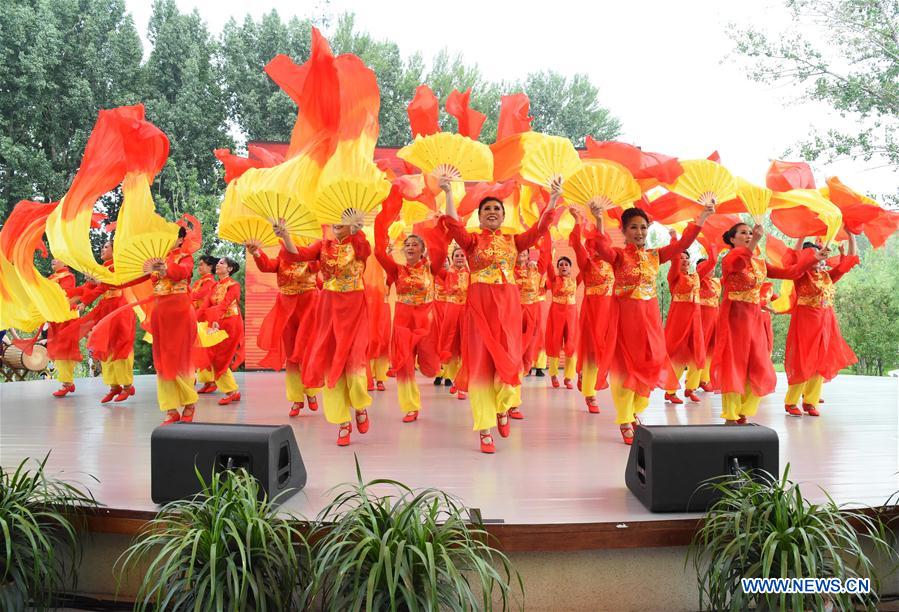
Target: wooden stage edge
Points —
{"points": [[513, 538]]}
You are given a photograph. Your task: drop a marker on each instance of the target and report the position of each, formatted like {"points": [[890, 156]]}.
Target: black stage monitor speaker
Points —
{"points": [[268, 452], [669, 462]]}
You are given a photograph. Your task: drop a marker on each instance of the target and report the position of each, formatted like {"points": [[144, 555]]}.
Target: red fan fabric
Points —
{"points": [[672, 208], [784, 176], [513, 115], [642, 164], [235, 165], [424, 112], [470, 121]]}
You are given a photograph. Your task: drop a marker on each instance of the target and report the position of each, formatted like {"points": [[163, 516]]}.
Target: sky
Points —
{"points": [[662, 67]]}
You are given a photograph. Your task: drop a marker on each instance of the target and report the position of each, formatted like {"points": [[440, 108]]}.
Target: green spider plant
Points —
{"points": [[228, 548], [405, 550], [765, 528], [40, 547]]}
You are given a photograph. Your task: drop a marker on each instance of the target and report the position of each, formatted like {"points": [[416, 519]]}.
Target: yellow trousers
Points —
{"points": [[173, 394], [409, 395], [809, 391], [451, 368], [296, 390], [627, 402], [706, 376], [65, 370], [487, 401], [694, 377], [735, 405], [379, 368], [351, 391], [570, 366], [226, 382], [541, 361], [118, 371], [589, 374], [205, 376]]}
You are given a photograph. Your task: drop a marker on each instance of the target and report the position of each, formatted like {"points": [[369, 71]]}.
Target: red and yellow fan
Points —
{"points": [[353, 196], [750, 199], [239, 224], [805, 212], [703, 176], [602, 178], [861, 214], [547, 158], [450, 154], [141, 234], [272, 193]]}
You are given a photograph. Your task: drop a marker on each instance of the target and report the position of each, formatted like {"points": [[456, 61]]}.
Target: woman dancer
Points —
{"points": [[530, 277], [640, 362], [596, 339], [709, 298], [815, 350], [491, 347], [62, 344], [199, 291], [561, 325], [338, 349], [413, 333], [173, 324], [684, 339], [289, 322], [221, 310], [116, 359], [377, 298], [741, 363], [453, 282]]}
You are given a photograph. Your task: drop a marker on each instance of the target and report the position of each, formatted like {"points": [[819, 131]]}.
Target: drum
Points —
{"points": [[14, 358]]}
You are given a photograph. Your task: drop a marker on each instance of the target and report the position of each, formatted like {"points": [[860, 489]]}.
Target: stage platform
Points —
{"points": [[555, 484]]}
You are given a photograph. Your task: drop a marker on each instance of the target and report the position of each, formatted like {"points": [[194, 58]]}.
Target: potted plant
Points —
{"points": [[405, 550], [763, 527], [228, 548], [39, 547]]}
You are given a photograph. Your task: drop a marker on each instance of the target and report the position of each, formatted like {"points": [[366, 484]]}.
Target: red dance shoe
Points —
{"points": [[504, 425], [742, 420], [592, 406], [381, 386], [672, 398], [362, 424], [411, 416], [64, 389], [487, 444], [187, 418], [113, 391], [391, 373], [461, 395], [371, 385], [125, 394], [580, 381], [208, 387], [313, 402], [295, 409], [343, 434], [515, 413], [820, 400], [811, 410], [173, 417], [453, 390], [232, 397], [555, 381], [568, 384], [792, 410], [690, 394], [627, 434], [707, 387]]}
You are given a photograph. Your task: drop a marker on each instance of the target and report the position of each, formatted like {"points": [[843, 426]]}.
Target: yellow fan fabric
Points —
{"points": [[547, 157], [463, 157], [16, 309], [273, 193], [811, 199], [756, 199], [209, 337], [703, 175], [141, 234], [602, 178], [246, 229]]}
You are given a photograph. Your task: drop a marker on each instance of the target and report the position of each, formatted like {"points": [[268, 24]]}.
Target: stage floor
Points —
{"points": [[560, 465]]}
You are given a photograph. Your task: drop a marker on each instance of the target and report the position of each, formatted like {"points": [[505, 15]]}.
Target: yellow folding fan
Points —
{"points": [[453, 154], [703, 176], [141, 234], [756, 199], [602, 177], [209, 337], [249, 228], [274, 194], [546, 158], [350, 191]]}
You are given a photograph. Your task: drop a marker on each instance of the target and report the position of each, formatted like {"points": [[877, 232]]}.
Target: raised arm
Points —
{"points": [[808, 258], [673, 249], [309, 253], [382, 240], [530, 237], [264, 262], [705, 268], [580, 253]]}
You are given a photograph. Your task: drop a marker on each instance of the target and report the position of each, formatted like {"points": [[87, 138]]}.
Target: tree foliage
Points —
{"points": [[844, 53]]}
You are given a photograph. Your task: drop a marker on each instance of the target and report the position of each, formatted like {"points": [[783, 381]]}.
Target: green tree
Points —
{"points": [[61, 61], [844, 53]]}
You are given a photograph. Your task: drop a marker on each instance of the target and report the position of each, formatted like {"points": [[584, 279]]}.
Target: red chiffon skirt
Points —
{"points": [[491, 342], [413, 341], [450, 339], [173, 325], [561, 330], [640, 361], [596, 343], [532, 333], [741, 353], [228, 353], [290, 318], [63, 341], [815, 345], [683, 334], [378, 327], [120, 343], [709, 323], [340, 341]]}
